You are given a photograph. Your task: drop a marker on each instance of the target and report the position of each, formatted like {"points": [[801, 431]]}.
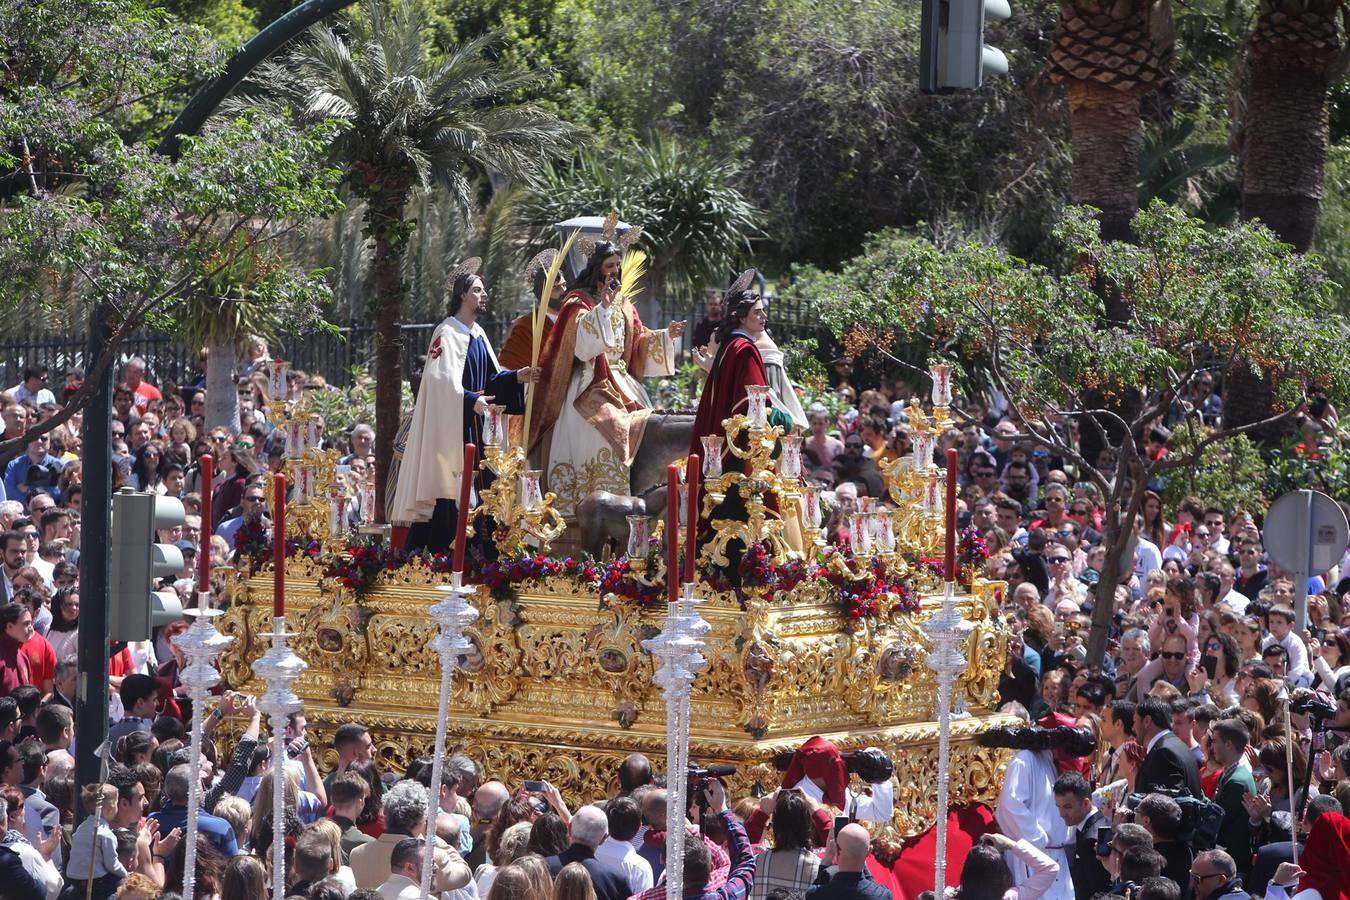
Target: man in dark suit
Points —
{"points": [[1169, 765], [588, 831], [1073, 799], [1161, 815]]}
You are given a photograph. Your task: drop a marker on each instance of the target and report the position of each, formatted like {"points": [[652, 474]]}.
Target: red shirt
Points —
{"points": [[13, 665], [41, 660], [145, 392]]}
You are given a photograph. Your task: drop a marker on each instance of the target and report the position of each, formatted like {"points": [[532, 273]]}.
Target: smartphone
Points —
{"points": [[1103, 840], [295, 748], [839, 823], [1210, 664], [534, 786]]}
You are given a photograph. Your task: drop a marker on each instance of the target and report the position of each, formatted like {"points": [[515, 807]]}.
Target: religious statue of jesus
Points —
{"points": [[591, 408]]}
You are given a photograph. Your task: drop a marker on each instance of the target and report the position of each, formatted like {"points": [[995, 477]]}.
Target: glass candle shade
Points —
{"points": [[812, 502], [885, 533], [757, 405], [712, 456], [942, 384], [276, 380], [639, 534], [860, 535], [531, 494], [790, 462]]}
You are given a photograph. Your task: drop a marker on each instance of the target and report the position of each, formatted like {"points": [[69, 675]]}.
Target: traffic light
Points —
{"points": [[952, 53], [137, 560]]}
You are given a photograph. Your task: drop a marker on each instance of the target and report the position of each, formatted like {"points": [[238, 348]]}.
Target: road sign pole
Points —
{"points": [[1305, 567]]}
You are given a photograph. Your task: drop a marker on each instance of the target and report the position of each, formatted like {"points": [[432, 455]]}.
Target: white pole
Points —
{"points": [[678, 660], [453, 613], [948, 632], [279, 667], [201, 645]]}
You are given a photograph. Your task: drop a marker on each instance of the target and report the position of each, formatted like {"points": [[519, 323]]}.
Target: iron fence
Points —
{"points": [[335, 357]]}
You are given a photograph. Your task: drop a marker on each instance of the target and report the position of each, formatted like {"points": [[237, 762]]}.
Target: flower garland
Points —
{"points": [[617, 579], [359, 566], [500, 575], [859, 595], [253, 541]]}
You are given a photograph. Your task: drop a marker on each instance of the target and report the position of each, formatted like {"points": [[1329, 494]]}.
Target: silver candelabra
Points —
{"points": [[201, 644], [453, 614], [947, 630], [678, 662], [279, 668]]}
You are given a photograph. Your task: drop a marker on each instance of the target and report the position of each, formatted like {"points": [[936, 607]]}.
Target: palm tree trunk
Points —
{"points": [[1106, 141], [1292, 54], [1287, 126], [384, 218], [222, 397]]}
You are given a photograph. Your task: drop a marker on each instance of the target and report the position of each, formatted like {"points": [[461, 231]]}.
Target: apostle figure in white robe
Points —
{"points": [[1026, 805], [591, 409], [460, 380]]}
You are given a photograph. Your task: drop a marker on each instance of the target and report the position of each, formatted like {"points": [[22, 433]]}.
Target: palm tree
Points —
{"points": [[1109, 54], [407, 122], [1294, 56], [696, 222], [221, 316]]}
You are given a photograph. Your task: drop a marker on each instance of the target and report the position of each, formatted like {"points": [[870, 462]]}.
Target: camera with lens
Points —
{"points": [[699, 775], [614, 284], [1313, 705]]}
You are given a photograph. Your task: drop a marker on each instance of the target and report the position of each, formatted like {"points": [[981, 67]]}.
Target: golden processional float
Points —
{"points": [[555, 681]]}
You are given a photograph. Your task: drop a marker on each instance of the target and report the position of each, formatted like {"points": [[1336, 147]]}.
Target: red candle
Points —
{"points": [[462, 520], [692, 471], [279, 545], [951, 514], [208, 475], [673, 531]]}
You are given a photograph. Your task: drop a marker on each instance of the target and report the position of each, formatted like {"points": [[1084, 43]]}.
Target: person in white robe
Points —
{"points": [[1026, 811]]}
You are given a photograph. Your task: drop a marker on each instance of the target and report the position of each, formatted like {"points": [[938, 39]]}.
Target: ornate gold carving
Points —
{"points": [[556, 687], [605, 472]]}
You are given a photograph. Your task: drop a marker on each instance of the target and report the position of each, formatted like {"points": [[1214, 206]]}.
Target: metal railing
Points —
{"points": [[332, 356]]}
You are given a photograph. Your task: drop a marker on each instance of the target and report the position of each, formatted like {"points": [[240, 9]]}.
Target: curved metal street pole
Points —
{"points": [[263, 45]]}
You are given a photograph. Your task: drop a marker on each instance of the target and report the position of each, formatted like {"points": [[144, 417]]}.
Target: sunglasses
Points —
{"points": [[253, 499], [1167, 655], [1059, 559], [220, 438]]}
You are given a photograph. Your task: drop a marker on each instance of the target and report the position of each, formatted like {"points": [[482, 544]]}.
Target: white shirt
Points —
{"points": [[879, 807], [1236, 602], [623, 855], [1157, 737], [1298, 653], [1147, 557], [40, 396]]}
